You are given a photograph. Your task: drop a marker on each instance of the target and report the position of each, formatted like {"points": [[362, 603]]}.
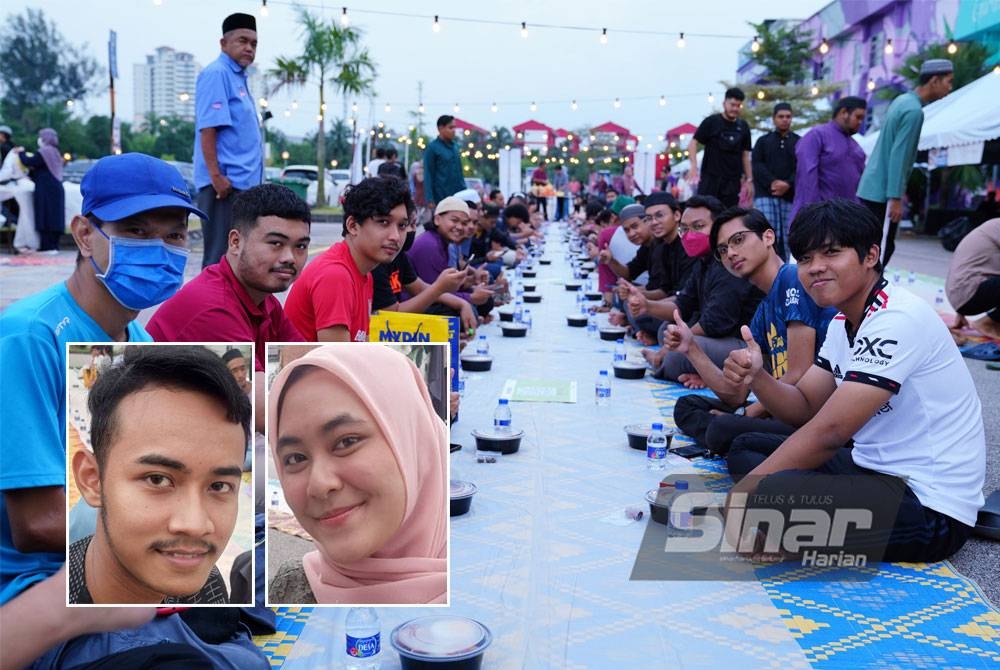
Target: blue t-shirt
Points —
{"points": [[222, 100], [33, 337], [786, 301]]}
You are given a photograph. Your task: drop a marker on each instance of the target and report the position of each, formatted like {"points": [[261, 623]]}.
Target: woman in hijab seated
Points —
{"points": [[360, 455]]}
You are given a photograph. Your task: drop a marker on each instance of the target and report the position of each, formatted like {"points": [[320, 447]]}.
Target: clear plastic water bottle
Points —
{"points": [[602, 389], [518, 310], [461, 384], [364, 639], [580, 297], [939, 298], [592, 325], [501, 417], [656, 448], [911, 278], [526, 318], [482, 346], [620, 351]]}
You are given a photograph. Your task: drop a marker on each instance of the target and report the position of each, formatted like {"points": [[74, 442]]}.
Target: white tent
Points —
{"points": [[961, 122]]}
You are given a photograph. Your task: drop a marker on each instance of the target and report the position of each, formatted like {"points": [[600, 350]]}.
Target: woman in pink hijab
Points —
{"points": [[361, 457], [46, 170]]}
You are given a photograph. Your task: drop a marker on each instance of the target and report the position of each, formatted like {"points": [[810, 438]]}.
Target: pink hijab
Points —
{"points": [[411, 568]]}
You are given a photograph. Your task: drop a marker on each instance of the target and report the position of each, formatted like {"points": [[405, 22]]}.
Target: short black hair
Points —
{"points": [[391, 152], [180, 367], [380, 152], [231, 355], [839, 222], [709, 202], [376, 196], [781, 107], [753, 219], [491, 210], [495, 192], [444, 120], [850, 103], [593, 208], [735, 93], [516, 211], [267, 200], [603, 216]]}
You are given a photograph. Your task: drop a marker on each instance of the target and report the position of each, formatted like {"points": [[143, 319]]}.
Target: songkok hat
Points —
{"points": [[660, 198], [237, 21], [936, 66], [632, 212], [452, 204]]}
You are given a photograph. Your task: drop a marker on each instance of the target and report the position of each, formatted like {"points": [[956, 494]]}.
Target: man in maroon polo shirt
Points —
{"points": [[233, 301]]}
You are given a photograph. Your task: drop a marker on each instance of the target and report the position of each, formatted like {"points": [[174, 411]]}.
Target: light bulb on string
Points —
{"points": [[493, 107], [420, 108], [604, 36], [436, 26], [871, 84], [573, 105], [824, 46], [755, 45], [814, 90], [680, 41], [295, 105], [388, 108], [952, 47], [663, 101], [457, 108], [524, 30], [711, 98], [344, 19], [760, 95], [617, 103], [533, 107], [263, 9], [888, 47]]}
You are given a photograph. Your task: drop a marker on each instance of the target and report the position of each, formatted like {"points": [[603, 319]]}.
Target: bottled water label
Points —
{"points": [[502, 425], [364, 647], [619, 356], [461, 385], [603, 395]]}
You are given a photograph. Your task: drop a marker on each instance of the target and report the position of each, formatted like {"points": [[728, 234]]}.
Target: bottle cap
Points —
{"points": [[620, 341], [603, 373], [503, 401], [657, 426]]}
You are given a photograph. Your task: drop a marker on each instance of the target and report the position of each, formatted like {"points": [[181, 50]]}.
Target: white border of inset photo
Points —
{"points": [[80, 517], [281, 522]]}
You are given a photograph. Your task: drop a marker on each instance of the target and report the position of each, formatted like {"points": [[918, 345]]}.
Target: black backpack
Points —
{"points": [[952, 232]]}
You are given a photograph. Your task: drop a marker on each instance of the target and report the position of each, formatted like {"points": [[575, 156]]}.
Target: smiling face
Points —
{"points": [[270, 256], [168, 496], [663, 222], [240, 45], [338, 472], [636, 230], [452, 225], [833, 276]]}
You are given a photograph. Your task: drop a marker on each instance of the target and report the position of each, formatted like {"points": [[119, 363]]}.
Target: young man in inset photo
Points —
{"points": [[169, 429]]}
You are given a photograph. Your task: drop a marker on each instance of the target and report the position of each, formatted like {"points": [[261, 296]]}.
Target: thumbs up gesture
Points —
{"points": [[678, 335], [636, 301], [623, 288], [742, 365]]}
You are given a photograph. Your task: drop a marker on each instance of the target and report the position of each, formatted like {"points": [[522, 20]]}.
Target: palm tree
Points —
{"points": [[332, 54]]}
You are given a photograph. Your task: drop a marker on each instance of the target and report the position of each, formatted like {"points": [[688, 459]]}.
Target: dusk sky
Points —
{"points": [[472, 64]]}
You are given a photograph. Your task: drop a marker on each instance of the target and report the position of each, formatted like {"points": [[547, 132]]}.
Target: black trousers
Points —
{"points": [[903, 529], [716, 432], [214, 231], [985, 299]]}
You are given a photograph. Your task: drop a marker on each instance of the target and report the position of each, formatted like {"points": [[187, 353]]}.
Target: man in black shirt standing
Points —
{"points": [[726, 138], [773, 163]]}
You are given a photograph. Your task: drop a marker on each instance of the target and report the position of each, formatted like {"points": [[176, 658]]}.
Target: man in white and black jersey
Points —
{"points": [[889, 378]]}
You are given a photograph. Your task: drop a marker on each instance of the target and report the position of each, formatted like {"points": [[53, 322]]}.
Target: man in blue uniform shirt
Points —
{"points": [[228, 156], [132, 240]]}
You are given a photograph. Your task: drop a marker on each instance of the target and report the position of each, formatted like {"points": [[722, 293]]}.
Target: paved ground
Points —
{"points": [[979, 559]]}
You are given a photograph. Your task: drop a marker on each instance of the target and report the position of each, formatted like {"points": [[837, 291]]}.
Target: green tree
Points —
{"points": [[175, 139], [784, 52], [757, 111], [969, 61], [39, 66], [331, 54]]}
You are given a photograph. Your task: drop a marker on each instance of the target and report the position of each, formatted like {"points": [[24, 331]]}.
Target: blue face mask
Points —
{"points": [[142, 273]]}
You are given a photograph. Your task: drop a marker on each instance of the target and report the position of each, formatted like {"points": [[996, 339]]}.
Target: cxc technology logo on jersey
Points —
{"points": [[817, 537]]}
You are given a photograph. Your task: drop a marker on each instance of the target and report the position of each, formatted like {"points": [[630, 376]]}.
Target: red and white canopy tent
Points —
{"points": [[534, 136], [463, 125]]}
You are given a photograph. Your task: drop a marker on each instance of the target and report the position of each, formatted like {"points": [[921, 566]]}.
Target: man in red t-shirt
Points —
{"points": [[332, 300]]}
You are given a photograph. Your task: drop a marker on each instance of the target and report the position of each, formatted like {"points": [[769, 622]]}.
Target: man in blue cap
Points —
{"points": [[228, 156], [132, 241]]}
